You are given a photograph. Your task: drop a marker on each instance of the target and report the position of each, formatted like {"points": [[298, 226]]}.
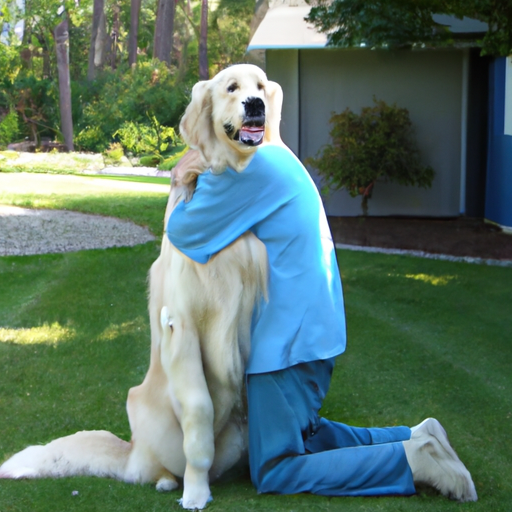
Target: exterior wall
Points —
{"points": [[428, 84], [499, 169], [284, 66]]}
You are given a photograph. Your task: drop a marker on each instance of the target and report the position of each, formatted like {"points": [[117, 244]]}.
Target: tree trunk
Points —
{"points": [[98, 34], [116, 23], [203, 42], [134, 32], [181, 46], [164, 29], [260, 10], [61, 43], [257, 56]]}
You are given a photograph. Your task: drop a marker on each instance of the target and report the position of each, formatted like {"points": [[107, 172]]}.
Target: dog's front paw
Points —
{"points": [[194, 503]]}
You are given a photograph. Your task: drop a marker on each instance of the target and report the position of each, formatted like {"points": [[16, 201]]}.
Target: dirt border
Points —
{"points": [[464, 238]]}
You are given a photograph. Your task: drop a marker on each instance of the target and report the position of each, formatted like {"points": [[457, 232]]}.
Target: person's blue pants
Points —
{"points": [[293, 450]]}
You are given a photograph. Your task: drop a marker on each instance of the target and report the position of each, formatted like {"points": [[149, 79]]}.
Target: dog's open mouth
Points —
{"points": [[252, 135]]}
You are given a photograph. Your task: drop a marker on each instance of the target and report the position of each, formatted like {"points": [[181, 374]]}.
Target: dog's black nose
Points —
{"points": [[254, 107]]}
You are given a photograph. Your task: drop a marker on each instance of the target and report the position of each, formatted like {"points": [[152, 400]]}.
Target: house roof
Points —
{"points": [[284, 27]]}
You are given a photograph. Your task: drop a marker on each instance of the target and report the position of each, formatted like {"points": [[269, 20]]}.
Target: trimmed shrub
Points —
{"points": [[378, 144], [150, 160]]}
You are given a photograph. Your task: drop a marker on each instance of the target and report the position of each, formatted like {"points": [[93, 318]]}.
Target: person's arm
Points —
{"points": [[226, 205]]}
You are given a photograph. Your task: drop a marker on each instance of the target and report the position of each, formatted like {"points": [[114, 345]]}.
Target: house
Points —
{"points": [[447, 94]]}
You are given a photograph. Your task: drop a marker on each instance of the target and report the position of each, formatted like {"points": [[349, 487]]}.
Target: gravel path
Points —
{"points": [[24, 231]]}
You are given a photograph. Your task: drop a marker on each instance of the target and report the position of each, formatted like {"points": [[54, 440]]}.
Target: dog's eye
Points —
{"points": [[232, 87], [260, 86]]}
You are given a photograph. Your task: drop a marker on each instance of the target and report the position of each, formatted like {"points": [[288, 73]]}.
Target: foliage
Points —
{"points": [[150, 160], [36, 101], [113, 154], [378, 144], [28, 74], [140, 138], [148, 96], [228, 34], [399, 23], [379, 23], [9, 128], [9, 68], [498, 15]]}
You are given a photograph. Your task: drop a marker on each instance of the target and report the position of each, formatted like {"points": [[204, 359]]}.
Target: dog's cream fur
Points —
{"points": [[187, 417]]}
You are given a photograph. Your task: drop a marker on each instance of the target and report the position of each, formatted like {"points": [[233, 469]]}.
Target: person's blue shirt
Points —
{"points": [[275, 198]]}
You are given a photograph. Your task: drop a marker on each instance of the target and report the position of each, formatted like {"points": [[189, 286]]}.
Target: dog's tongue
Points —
{"points": [[252, 134]]}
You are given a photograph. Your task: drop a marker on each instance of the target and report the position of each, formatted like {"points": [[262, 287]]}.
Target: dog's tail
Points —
{"points": [[91, 453]]}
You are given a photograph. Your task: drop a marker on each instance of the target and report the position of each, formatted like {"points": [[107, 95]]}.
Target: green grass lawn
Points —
{"points": [[426, 338]]}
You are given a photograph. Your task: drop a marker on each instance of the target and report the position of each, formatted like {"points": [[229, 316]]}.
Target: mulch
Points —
{"points": [[462, 236]]}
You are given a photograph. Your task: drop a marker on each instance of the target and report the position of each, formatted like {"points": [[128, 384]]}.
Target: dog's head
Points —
{"points": [[231, 114]]}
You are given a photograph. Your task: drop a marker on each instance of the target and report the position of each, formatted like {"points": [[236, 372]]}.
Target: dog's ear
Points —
{"points": [[196, 125], [274, 95]]}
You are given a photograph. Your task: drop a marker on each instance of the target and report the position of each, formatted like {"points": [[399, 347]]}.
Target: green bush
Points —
{"points": [[138, 138], [36, 101], [113, 154], [9, 69], [377, 144], [9, 128], [147, 95], [150, 160], [92, 138]]}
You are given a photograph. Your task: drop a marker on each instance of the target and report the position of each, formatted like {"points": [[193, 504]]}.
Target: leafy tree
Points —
{"points": [[403, 23], [9, 128], [10, 64], [378, 144], [109, 92], [147, 95], [229, 33]]}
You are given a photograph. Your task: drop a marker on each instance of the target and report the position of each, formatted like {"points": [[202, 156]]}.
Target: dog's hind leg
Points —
{"points": [[181, 359]]}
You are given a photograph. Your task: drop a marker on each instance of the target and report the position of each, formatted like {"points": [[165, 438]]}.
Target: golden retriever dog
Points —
{"points": [[187, 416]]}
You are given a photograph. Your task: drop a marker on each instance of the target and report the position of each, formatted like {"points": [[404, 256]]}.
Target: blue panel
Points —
{"points": [[499, 182], [498, 201]]}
